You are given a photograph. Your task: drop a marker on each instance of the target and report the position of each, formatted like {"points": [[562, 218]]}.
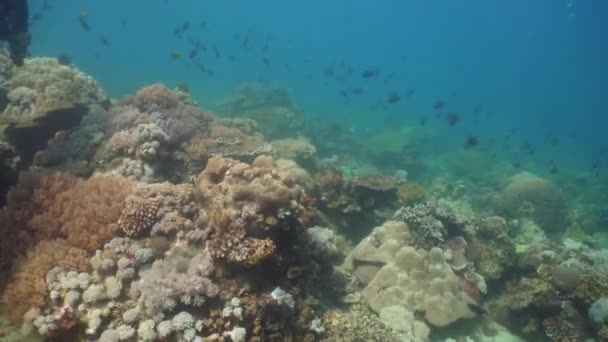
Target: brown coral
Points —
{"points": [[137, 216], [27, 288], [87, 213], [246, 207], [154, 97]]}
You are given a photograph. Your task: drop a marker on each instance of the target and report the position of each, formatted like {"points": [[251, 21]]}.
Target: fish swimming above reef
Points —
{"points": [[393, 98], [83, 20], [175, 55], [104, 41], [471, 141], [452, 118], [369, 73], [438, 105], [64, 59]]}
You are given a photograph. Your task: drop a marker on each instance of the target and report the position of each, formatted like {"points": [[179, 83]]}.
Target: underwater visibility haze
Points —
{"points": [[303, 170]]}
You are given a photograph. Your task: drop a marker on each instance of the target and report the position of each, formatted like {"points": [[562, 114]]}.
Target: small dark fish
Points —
{"points": [[203, 24], [123, 23], [177, 32], [595, 172], [477, 109], [231, 58], [393, 98], [83, 19], [517, 165], [528, 147], [410, 92], [423, 122], [185, 26], [329, 71], [471, 141], [389, 77], [216, 50], [344, 93], [439, 104], [357, 91], [175, 55], [553, 170], [64, 59], [452, 119], [369, 73], [193, 53], [266, 62], [104, 41], [36, 17]]}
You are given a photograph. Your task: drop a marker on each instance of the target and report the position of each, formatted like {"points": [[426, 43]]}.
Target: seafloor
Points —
{"points": [[151, 219]]}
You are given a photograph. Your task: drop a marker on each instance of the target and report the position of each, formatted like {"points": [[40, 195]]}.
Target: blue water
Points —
{"points": [[538, 68]]}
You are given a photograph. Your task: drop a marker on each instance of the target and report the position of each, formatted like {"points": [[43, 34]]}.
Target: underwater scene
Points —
{"points": [[392, 170]]}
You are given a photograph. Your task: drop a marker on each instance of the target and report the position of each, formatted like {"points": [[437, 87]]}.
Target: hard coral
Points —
{"points": [[154, 97], [42, 85], [246, 208], [137, 216], [527, 195]]}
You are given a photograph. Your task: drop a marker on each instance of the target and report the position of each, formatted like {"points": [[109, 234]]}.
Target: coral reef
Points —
{"points": [[150, 219]]}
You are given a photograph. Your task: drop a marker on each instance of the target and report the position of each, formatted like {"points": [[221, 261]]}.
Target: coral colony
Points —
{"points": [[151, 219]]}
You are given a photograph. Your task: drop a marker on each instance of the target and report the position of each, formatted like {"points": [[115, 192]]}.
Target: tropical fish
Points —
{"points": [[370, 73], [83, 19], [176, 55], [393, 98], [452, 118]]}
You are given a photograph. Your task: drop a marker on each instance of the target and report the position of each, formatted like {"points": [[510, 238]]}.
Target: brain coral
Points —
{"points": [[529, 195]]}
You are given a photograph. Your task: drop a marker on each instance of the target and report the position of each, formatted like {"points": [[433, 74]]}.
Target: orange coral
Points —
{"points": [[27, 288], [35, 191], [86, 214]]}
